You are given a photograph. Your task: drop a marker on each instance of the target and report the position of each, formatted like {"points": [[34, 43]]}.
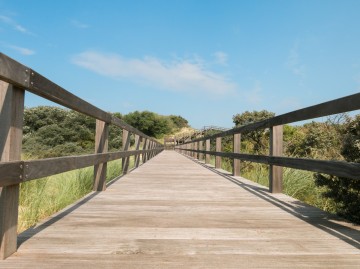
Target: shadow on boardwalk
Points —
{"points": [[318, 218]]}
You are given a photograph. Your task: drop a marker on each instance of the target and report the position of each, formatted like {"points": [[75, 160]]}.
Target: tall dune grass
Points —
{"points": [[44, 197]]}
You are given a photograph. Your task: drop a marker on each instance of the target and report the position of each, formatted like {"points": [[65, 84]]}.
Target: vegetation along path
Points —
{"points": [[175, 213]]}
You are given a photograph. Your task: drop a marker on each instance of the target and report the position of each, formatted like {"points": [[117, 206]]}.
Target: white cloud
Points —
{"points": [[254, 96], [177, 75], [221, 57], [79, 25], [9, 21], [294, 62], [23, 51]]}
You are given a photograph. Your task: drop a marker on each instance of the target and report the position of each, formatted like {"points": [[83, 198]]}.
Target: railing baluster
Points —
{"points": [[201, 147], [11, 118], [125, 147], [276, 149], [101, 146], [218, 149], [207, 148], [236, 149]]}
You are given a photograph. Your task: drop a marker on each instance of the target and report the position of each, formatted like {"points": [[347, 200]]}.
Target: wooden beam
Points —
{"points": [[101, 146], [276, 149], [145, 147], [218, 149], [236, 149], [11, 121], [207, 148], [341, 105], [195, 145], [125, 147], [201, 147], [137, 147]]}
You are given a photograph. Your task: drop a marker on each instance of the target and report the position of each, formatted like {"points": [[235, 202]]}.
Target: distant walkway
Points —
{"points": [[174, 213]]}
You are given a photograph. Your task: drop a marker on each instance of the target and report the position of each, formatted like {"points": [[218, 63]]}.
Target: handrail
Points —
{"points": [[25, 78], [15, 79], [195, 147]]}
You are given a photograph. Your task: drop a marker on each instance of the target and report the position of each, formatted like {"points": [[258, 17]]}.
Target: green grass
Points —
{"points": [[43, 197]]}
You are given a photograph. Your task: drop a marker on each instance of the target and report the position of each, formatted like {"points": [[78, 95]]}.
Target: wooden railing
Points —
{"points": [[15, 79], [275, 160]]}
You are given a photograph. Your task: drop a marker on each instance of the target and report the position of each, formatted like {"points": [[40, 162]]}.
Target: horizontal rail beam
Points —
{"points": [[24, 77], [11, 173], [335, 168], [17, 172], [341, 105]]}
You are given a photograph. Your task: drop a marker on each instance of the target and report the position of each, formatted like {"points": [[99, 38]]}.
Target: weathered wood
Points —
{"points": [[218, 148], [125, 147], [207, 149], [101, 146], [47, 167], [43, 87], [236, 149], [341, 105], [336, 168], [11, 173], [195, 145], [26, 78], [201, 147], [145, 147], [187, 216], [137, 147], [11, 120], [13, 72], [276, 149]]}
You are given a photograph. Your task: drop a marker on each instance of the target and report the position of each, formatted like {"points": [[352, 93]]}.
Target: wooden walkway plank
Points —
{"points": [[175, 213]]}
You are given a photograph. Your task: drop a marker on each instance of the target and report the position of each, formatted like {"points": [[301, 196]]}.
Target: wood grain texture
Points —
{"points": [[218, 148], [276, 149], [336, 168], [207, 149], [11, 173], [13, 72], [341, 105], [125, 147], [236, 149], [101, 146], [174, 213], [12, 111]]}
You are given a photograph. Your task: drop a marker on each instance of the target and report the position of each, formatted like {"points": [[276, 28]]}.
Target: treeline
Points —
{"points": [[337, 138], [54, 131]]}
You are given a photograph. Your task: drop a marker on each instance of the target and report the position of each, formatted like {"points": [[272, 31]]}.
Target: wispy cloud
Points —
{"points": [[79, 24], [254, 96], [221, 57], [178, 75], [21, 50], [16, 26], [294, 62]]}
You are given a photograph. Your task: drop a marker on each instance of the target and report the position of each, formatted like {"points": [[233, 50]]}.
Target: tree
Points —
{"points": [[258, 138], [149, 123], [179, 121], [344, 191]]}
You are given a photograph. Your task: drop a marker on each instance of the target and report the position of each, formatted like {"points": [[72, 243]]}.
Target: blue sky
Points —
{"points": [[203, 60]]}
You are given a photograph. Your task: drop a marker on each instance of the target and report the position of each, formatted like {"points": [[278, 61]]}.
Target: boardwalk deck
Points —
{"points": [[174, 213]]}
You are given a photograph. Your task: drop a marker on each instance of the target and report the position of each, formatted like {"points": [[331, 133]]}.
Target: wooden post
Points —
{"points": [[137, 147], [145, 147], [207, 148], [195, 148], [201, 147], [218, 149], [236, 149], [11, 122], [276, 149], [125, 147], [101, 146]]}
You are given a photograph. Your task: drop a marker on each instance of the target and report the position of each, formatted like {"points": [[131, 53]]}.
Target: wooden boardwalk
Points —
{"points": [[174, 213]]}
